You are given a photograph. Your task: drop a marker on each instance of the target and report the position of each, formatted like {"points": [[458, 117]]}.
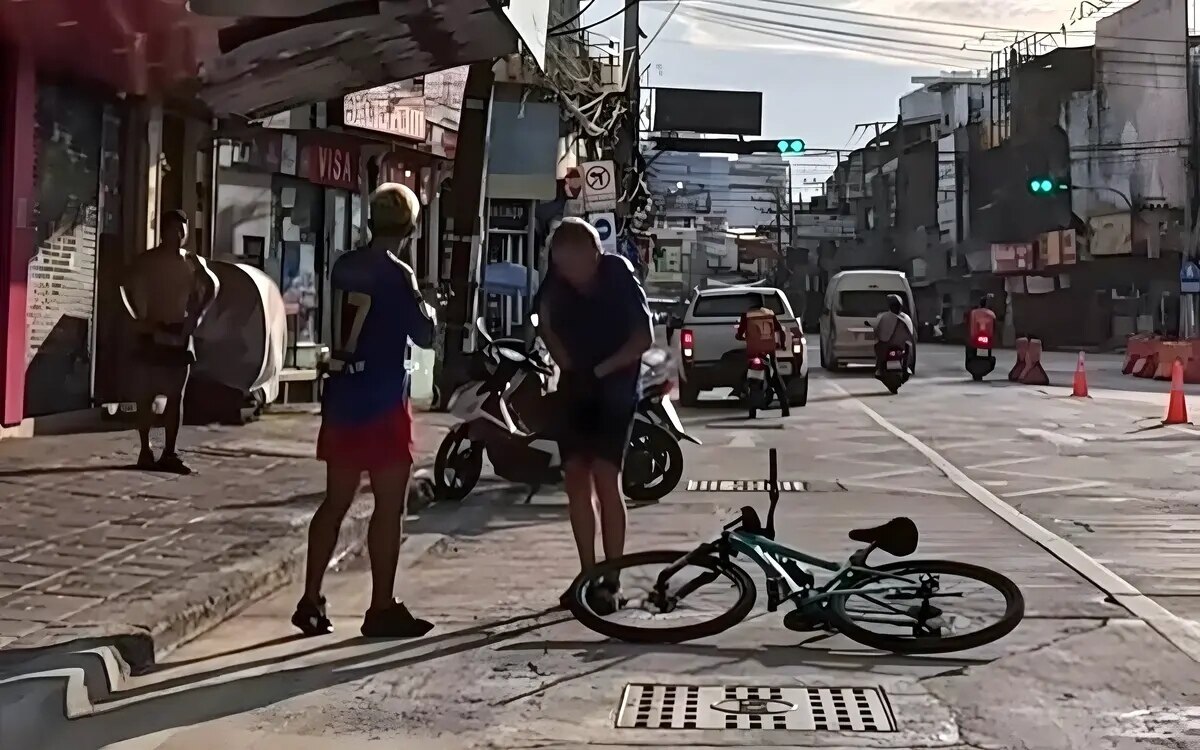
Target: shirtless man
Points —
{"points": [[167, 291]]}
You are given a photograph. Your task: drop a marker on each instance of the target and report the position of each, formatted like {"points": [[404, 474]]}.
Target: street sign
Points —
{"points": [[573, 182], [1189, 278], [599, 186], [606, 227]]}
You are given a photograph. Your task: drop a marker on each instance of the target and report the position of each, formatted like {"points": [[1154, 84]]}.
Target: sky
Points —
{"points": [[848, 68]]}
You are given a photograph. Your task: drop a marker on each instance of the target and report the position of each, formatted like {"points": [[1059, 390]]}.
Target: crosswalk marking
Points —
{"points": [[740, 485]]}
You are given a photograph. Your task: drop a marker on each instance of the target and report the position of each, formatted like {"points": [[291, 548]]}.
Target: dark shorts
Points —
{"points": [[161, 370], [597, 419]]}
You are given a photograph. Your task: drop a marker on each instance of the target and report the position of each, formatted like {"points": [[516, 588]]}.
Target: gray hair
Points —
{"points": [[573, 226]]}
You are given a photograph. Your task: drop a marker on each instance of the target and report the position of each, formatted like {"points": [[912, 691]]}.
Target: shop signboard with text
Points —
{"points": [[329, 161], [384, 111], [1012, 257]]}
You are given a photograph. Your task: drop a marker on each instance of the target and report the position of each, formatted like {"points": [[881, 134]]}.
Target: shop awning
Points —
{"points": [[256, 66]]}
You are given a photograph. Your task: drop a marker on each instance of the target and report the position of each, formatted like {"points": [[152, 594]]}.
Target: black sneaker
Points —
{"points": [[604, 599], [173, 464], [310, 617], [394, 621]]}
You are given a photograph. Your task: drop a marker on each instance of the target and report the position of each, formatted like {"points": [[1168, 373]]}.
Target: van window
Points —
{"points": [[733, 305], [865, 303]]}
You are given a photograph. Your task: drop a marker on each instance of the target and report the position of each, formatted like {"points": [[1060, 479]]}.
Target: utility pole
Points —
{"points": [[627, 144], [1187, 302]]}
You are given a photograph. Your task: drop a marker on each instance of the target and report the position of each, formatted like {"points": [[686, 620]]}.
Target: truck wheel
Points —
{"points": [[688, 395]]}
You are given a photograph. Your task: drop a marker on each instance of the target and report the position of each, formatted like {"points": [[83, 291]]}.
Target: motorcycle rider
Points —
{"points": [[763, 333], [894, 329]]}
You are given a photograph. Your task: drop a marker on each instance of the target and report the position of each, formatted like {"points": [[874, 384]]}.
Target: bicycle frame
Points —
{"points": [[769, 555]]}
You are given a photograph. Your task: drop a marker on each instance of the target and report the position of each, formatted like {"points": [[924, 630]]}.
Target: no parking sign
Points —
{"points": [[606, 227]]}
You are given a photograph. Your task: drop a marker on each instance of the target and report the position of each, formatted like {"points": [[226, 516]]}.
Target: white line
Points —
{"points": [[1183, 634], [895, 488], [888, 474], [1007, 462], [1059, 488]]}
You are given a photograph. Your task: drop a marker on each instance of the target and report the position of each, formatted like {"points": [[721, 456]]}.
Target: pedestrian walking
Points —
{"points": [[167, 291], [366, 416], [596, 323]]}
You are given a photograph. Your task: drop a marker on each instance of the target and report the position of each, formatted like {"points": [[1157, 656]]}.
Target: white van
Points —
{"points": [[853, 303]]}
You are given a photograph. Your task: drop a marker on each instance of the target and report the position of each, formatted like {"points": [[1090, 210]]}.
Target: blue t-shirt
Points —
{"points": [[592, 325], [376, 311]]}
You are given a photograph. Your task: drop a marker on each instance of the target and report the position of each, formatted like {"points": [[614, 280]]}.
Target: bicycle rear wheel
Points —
{"points": [[918, 600], [645, 606]]}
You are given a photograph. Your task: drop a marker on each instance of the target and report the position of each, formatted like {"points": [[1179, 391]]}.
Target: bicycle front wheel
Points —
{"points": [[919, 602], [705, 597]]}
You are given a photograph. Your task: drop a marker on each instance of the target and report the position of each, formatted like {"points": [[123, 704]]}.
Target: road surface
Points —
{"points": [[1087, 504]]}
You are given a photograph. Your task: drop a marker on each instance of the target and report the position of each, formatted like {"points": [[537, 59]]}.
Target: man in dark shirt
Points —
{"points": [[596, 323]]}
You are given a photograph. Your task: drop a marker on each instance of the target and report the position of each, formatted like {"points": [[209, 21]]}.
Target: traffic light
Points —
{"points": [[1048, 185], [782, 146], [790, 147]]}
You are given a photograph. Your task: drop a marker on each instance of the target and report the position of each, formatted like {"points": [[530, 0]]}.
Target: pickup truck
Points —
{"points": [[709, 353]]}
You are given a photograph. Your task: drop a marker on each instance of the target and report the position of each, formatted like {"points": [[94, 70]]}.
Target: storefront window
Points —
{"points": [[300, 227]]}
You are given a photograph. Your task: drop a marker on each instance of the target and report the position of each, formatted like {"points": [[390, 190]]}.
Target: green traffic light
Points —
{"points": [[795, 146], [1035, 186]]}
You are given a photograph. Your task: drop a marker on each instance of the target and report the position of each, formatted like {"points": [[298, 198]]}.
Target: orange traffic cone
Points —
{"points": [[1177, 406], [1079, 387]]}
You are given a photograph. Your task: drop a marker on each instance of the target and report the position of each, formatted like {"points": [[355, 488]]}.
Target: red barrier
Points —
{"points": [[1022, 347], [1147, 366], [1034, 373]]}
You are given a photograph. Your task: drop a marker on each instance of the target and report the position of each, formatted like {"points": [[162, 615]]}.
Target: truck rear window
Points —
{"points": [[733, 305], [865, 303]]}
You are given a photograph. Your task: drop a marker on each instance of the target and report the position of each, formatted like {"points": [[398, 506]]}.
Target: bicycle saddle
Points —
{"points": [[897, 537]]}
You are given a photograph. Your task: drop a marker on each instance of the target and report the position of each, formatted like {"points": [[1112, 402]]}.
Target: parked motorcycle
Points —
{"points": [[520, 441], [895, 371], [980, 360]]}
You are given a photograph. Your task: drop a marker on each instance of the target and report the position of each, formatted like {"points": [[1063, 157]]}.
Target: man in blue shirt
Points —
{"points": [[596, 323], [366, 417]]}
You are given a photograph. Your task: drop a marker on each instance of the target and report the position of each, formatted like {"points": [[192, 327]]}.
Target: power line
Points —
{"points": [[834, 32], [888, 16], [812, 37], [848, 22], [661, 26], [606, 19]]}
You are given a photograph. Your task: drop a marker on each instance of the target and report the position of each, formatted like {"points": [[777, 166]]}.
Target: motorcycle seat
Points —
{"points": [[897, 537]]}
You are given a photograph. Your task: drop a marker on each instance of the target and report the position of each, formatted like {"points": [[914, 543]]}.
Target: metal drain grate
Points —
{"points": [[746, 707], [740, 485]]}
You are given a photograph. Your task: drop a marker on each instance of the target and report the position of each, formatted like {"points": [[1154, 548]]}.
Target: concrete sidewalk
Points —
{"points": [[94, 550]]}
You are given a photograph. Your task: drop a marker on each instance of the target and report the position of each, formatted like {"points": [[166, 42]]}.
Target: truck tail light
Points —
{"points": [[797, 341], [687, 343]]}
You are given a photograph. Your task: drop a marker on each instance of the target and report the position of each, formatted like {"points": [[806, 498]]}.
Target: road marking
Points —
{"points": [[742, 439], [895, 488], [1181, 633], [1006, 462], [889, 474], [1059, 488]]}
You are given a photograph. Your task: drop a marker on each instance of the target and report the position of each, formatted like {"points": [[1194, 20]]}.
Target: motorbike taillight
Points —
{"points": [[756, 363], [983, 341]]}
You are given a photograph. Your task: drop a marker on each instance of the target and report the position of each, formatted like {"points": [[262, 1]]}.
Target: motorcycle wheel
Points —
{"points": [[665, 459], [457, 465]]}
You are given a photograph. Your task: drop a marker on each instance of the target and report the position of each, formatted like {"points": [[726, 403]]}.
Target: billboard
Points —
{"points": [[708, 111]]}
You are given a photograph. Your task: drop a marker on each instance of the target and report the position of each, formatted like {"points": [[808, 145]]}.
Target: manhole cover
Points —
{"points": [[740, 485], [744, 707]]}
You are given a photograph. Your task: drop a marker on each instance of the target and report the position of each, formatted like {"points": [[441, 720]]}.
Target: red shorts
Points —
{"points": [[380, 444]]}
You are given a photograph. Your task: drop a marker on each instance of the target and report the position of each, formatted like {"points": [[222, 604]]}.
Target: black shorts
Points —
{"points": [[597, 419]]}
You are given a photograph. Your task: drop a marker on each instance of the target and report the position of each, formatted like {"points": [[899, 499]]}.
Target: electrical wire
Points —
{"points": [[661, 26], [606, 19], [573, 18], [834, 32], [887, 16], [849, 46]]}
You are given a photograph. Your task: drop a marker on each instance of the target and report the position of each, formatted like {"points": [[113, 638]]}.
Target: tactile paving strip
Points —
{"points": [[852, 709]]}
